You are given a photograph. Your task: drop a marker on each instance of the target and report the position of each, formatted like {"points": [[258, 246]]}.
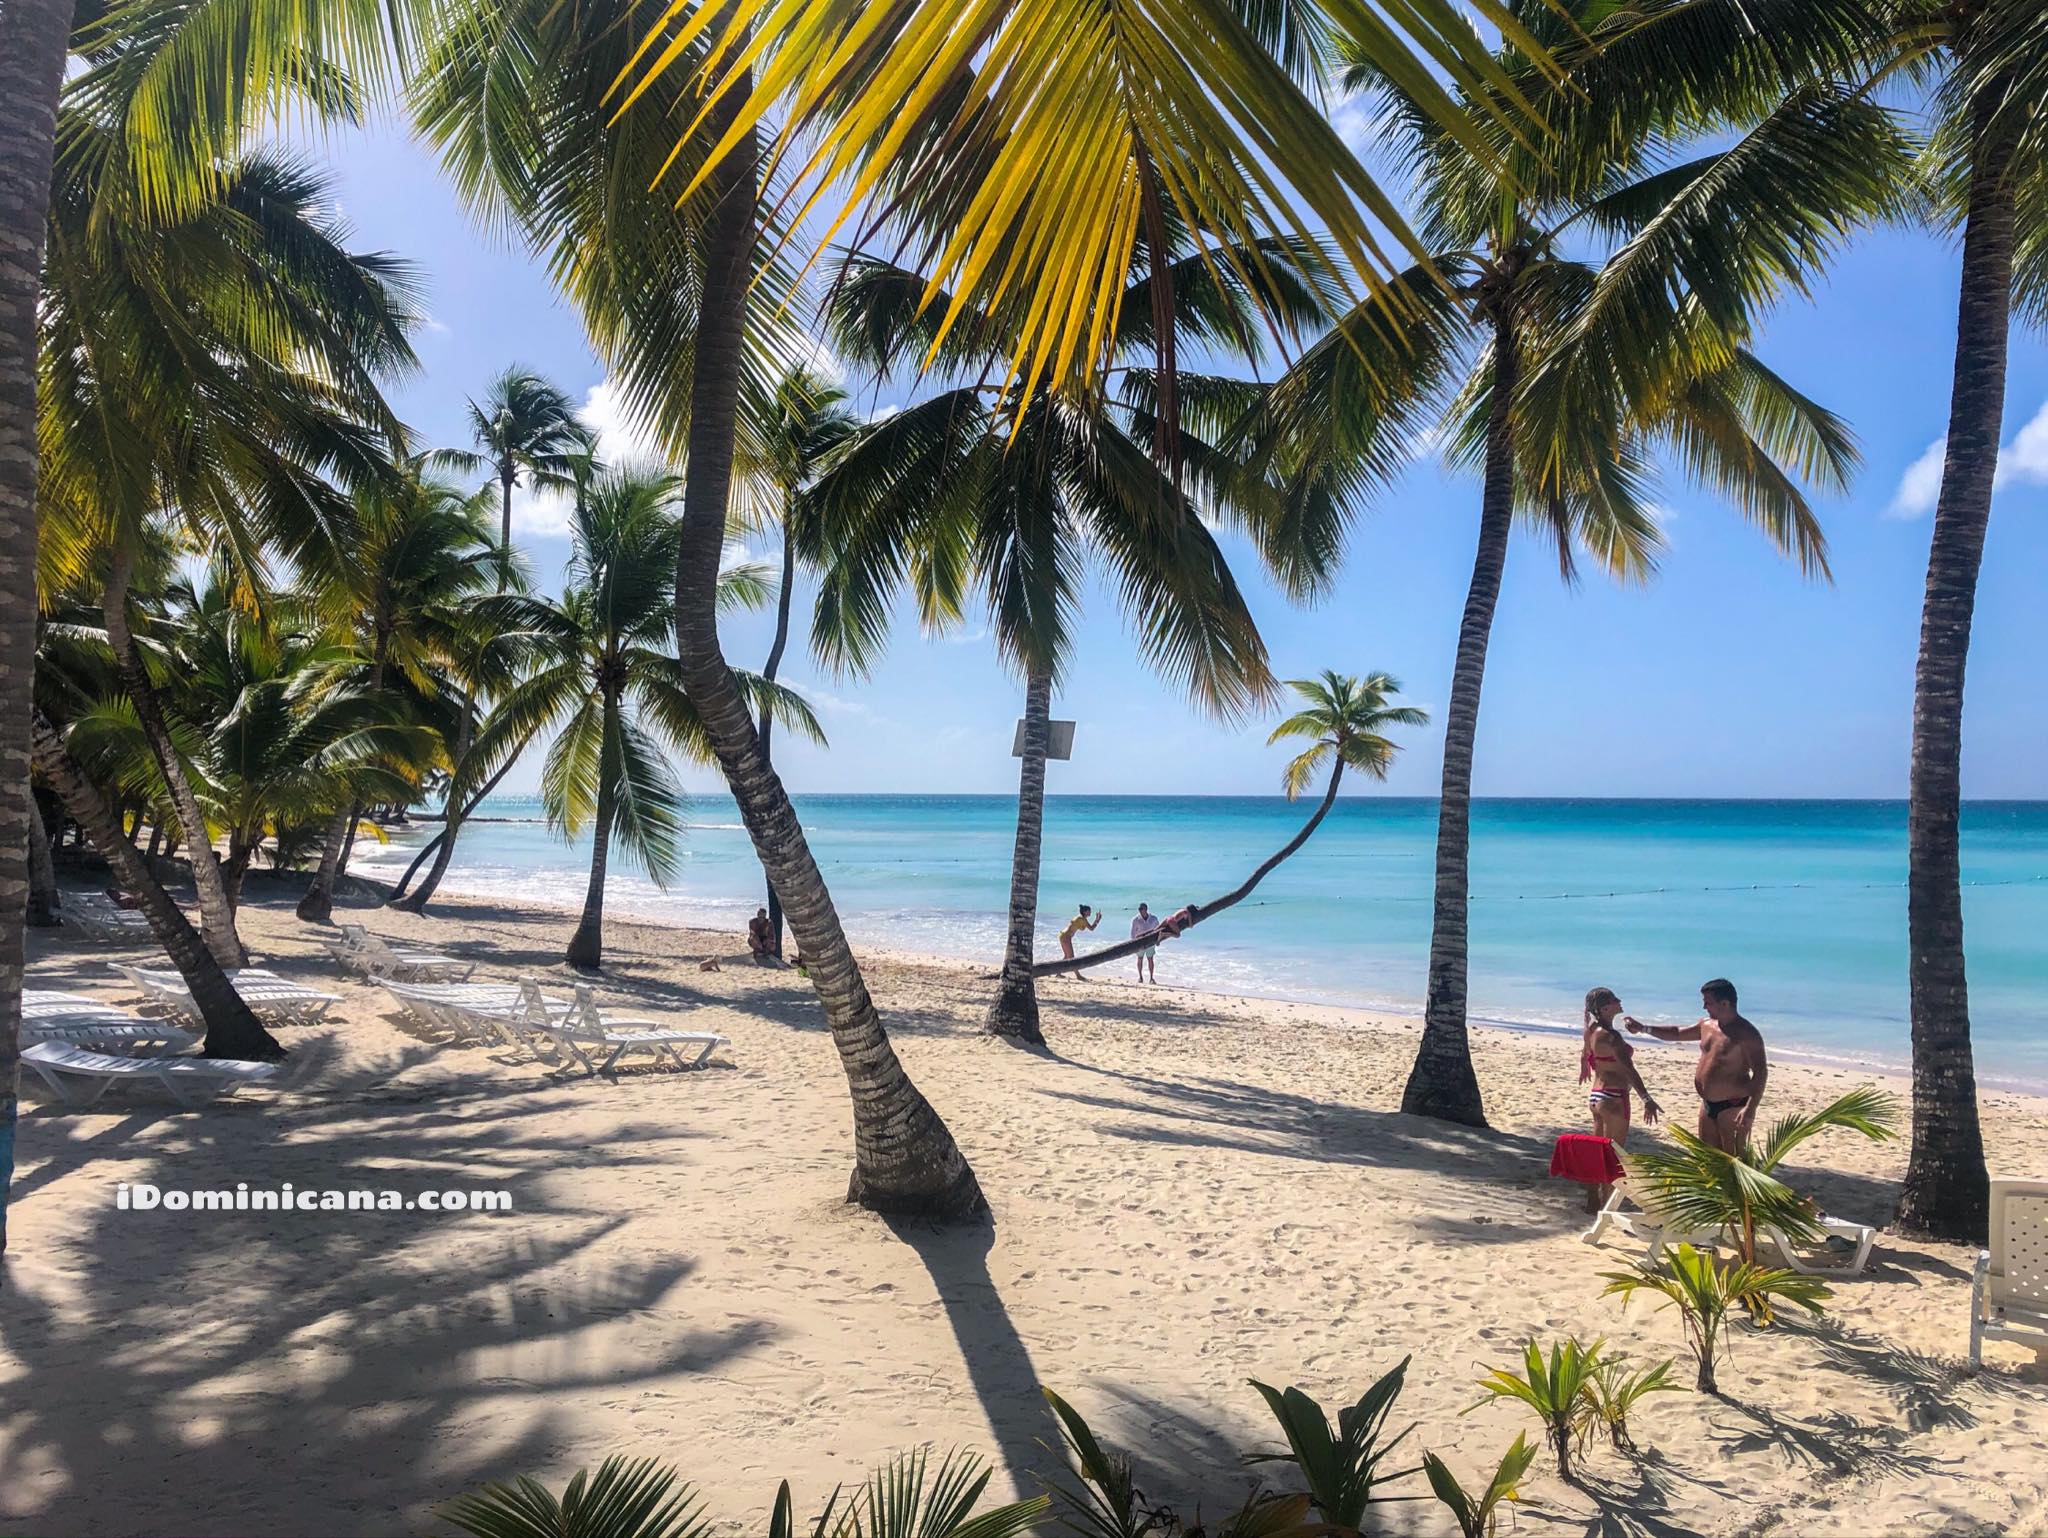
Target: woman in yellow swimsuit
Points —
{"points": [[1075, 924]]}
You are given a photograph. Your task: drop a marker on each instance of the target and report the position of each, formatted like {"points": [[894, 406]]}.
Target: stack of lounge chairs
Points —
{"points": [[274, 1000], [80, 1048], [373, 957], [98, 917], [557, 1031]]}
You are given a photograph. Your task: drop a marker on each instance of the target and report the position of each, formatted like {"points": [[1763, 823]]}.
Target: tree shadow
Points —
{"points": [[1833, 1444], [162, 1403]]}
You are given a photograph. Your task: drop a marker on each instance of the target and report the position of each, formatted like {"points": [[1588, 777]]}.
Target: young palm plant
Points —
{"points": [[1618, 1388], [1478, 1516], [1340, 1466], [1345, 719], [1607, 286], [1703, 1289], [598, 673], [1557, 1388]]}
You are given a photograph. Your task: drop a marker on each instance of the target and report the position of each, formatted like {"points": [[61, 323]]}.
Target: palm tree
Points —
{"points": [[600, 676], [808, 422], [1994, 184], [965, 492], [406, 592], [1576, 370], [525, 426], [1345, 719]]}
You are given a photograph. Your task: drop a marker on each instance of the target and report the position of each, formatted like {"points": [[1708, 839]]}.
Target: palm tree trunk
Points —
{"points": [[766, 725], [905, 1159], [452, 820], [231, 1029], [317, 906], [43, 900], [34, 35], [216, 913], [1947, 1192], [586, 946], [1442, 1083], [1014, 1010], [1198, 912], [433, 845], [507, 472]]}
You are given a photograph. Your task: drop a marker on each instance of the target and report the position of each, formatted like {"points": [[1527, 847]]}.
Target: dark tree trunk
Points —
{"points": [[433, 846], [1014, 1010], [905, 1159], [767, 723], [34, 36], [317, 906], [216, 913], [1442, 1083], [231, 1029], [452, 824], [586, 945], [1946, 1193], [43, 900], [507, 474], [1199, 912]]}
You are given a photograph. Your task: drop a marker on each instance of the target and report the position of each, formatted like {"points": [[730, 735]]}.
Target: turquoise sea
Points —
{"points": [[1802, 903]]}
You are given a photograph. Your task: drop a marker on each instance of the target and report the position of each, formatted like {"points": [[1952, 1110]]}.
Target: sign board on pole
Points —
{"points": [[1059, 740]]}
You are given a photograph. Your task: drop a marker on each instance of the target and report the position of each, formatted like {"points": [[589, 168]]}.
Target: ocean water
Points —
{"points": [[1801, 903]]}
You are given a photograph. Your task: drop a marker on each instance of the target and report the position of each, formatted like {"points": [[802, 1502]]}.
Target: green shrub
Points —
{"points": [[1615, 1391], [1703, 1289], [1557, 1388], [1479, 1517], [1340, 1468]]}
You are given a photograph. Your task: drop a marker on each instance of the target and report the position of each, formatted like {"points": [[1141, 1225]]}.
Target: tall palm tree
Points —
{"points": [[1994, 181], [601, 677], [808, 422], [1571, 369], [966, 493], [1345, 720], [405, 591], [525, 427]]}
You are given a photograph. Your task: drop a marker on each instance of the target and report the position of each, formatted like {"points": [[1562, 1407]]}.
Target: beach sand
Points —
{"points": [[1189, 1191]]}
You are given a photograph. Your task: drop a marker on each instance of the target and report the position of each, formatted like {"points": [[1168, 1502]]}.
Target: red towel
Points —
{"points": [[1587, 1159]]}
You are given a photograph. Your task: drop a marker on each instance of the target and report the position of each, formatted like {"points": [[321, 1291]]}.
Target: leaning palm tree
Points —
{"points": [[601, 678], [1559, 375], [808, 421], [1345, 720], [1993, 183]]}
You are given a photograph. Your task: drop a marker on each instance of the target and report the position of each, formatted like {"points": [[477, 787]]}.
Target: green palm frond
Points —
{"points": [[625, 1498]]}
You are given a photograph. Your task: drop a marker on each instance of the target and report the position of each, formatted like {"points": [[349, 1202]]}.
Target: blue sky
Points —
{"points": [[1727, 676]]}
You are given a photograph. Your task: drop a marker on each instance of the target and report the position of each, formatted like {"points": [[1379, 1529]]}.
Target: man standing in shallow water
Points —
{"points": [[1732, 1069]]}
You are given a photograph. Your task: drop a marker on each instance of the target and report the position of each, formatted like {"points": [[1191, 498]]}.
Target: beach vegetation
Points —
{"points": [[1340, 1465], [1345, 720], [1617, 1388], [1478, 1515], [1558, 1389], [1702, 1287]]}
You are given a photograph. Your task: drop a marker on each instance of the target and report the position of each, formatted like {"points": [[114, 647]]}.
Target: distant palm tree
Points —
{"points": [[602, 679], [525, 427], [1345, 719], [807, 423], [1576, 369]]}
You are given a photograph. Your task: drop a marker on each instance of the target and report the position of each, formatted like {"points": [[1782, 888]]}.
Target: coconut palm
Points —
{"points": [[1992, 57], [1345, 720], [525, 429], [405, 592], [1559, 372], [807, 422], [965, 494], [600, 676], [1703, 1288]]}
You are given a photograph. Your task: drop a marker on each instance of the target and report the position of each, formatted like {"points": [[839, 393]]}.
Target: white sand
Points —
{"points": [[1193, 1191]]}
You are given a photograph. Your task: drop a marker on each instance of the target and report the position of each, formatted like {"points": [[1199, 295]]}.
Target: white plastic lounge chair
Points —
{"points": [[78, 1076], [375, 957], [47, 1015], [2009, 1294], [1644, 1223], [1860, 1236], [275, 1000], [482, 1012], [584, 1029], [94, 916]]}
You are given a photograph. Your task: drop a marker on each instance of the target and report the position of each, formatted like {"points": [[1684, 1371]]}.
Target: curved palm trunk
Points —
{"points": [[1014, 1010], [766, 726], [231, 1029], [216, 913], [317, 906], [586, 946], [1947, 1190], [451, 825], [43, 900], [905, 1159], [1442, 1083], [432, 847], [1198, 912], [33, 38]]}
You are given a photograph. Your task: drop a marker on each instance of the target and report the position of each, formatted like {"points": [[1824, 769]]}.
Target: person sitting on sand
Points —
{"points": [[1607, 1062], [761, 938], [1143, 926], [1732, 1069], [1077, 923]]}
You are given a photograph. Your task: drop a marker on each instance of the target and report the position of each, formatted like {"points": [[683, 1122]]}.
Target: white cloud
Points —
{"points": [[433, 326], [827, 703], [2022, 462], [622, 439]]}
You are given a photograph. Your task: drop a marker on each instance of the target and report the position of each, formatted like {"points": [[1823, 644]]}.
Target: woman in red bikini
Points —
{"points": [[1607, 1062]]}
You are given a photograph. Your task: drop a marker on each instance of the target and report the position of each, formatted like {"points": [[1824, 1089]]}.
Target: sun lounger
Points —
{"points": [[275, 1000], [2009, 1293], [581, 1030], [375, 957], [47, 1015], [469, 1011], [98, 919], [1855, 1237], [78, 1076]]}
